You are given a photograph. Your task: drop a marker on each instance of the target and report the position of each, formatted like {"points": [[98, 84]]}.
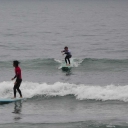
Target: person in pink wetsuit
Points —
{"points": [[18, 77]]}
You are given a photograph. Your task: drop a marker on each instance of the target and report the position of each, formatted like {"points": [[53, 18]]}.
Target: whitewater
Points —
{"points": [[58, 89]]}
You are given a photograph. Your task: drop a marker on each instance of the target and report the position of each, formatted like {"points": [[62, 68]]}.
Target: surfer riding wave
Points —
{"points": [[68, 55], [18, 77]]}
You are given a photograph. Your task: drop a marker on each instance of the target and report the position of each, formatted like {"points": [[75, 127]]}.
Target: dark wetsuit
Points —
{"points": [[18, 81], [68, 55]]}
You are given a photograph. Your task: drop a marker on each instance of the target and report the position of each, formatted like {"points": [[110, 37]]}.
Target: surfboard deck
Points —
{"points": [[66, 67], [9, 100]]}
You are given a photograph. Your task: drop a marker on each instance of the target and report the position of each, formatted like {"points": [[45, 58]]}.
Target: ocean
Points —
{"points": [[94, 93]]}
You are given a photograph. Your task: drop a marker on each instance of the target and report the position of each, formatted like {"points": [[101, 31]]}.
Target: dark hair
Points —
{"points": [[65, 47], [16, 63]]}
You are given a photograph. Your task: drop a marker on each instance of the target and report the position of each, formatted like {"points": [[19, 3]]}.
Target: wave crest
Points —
{"points": [[81, 91]]}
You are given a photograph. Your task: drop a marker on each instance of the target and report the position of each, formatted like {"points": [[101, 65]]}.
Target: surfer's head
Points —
{"points": [[16, 63], [66, 48]]}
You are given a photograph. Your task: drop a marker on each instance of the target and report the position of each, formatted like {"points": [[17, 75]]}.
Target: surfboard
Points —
{"points": [[9, 100], [66, 67]]}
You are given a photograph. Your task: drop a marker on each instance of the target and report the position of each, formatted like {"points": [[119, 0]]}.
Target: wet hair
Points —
{"points": [[16, 63], [65, 47]]}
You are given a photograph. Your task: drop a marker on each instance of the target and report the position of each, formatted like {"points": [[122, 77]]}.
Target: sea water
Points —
{"points": [[94, 93]]}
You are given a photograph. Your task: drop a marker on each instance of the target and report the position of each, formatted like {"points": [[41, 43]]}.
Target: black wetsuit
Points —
{"points": [[68, 56]]}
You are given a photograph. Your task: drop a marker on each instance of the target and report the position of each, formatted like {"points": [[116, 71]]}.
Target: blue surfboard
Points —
{"points": [[9, 100]]}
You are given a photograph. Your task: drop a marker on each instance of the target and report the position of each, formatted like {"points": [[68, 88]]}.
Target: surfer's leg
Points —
{"points": [[19, 91], [17, 87], [14, 89], [66, 59]]}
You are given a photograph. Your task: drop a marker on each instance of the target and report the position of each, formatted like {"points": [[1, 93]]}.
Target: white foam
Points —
{"points": [[77, 62], [81, 92], [74, 62], [59, 61]]}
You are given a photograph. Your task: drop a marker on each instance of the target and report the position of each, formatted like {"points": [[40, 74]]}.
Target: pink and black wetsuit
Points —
{"points": [[18, 77]]}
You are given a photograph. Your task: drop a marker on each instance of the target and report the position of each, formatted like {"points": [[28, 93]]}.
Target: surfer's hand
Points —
{"points": [[12, 79]]}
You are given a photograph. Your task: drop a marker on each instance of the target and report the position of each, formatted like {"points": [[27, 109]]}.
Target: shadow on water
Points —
{"points": [[17, 110], [67, 71], [17, 107]]}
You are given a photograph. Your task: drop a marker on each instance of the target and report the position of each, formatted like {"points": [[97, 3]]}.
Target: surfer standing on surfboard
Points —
{"points": [[68, 55], [18, 77]]}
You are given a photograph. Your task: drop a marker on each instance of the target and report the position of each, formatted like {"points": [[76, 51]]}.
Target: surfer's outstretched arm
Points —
{"points": [[62, 51], [14, 77]]}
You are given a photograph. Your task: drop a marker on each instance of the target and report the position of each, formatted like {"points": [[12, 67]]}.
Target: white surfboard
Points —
{"points": [[9, 100]]}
